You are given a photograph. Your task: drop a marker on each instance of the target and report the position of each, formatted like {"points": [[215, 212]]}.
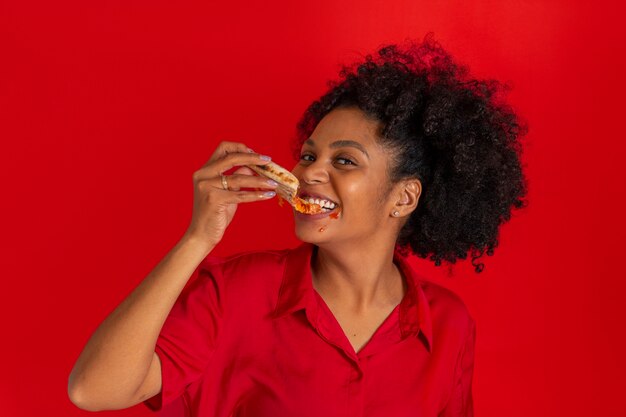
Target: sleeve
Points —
{"points": [[460, 403], [189, 335]]}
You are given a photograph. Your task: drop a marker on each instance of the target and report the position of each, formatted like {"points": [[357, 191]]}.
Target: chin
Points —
{"points": [[316, 234], [319, 228], [310, 234]]}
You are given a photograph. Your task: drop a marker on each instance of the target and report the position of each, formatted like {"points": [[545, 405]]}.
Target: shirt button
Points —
{"points": [[356, 376]]}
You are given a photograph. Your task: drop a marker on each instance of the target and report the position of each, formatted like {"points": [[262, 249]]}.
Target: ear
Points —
{"points": [[409, 192]]}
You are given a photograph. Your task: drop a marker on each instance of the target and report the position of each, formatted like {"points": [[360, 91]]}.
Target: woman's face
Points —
{"points": [[343, 162]]}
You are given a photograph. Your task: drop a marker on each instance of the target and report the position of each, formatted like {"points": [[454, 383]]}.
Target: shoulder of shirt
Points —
{"points": [[258, 258], [241, 270], [247, 282], [446, 305]]}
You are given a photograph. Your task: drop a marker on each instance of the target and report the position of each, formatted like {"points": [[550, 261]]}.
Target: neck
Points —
{"points": [[357, 278]]}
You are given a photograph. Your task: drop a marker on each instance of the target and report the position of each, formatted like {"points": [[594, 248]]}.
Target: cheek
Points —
{"points": [[296, 169], [367, 197]]}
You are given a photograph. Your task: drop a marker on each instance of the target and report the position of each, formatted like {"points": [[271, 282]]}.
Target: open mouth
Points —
{"points": [[327, 205]]}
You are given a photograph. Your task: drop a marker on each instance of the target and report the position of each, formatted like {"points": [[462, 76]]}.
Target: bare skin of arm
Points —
{"points": [[118, 367]]}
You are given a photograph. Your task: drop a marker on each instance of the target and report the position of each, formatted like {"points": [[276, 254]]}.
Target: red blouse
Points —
{"points": [[250, 337]]}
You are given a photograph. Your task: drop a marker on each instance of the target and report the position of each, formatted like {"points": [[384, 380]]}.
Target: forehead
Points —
{"points": [[348, 124]]}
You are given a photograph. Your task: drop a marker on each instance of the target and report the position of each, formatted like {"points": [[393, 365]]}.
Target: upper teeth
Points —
{"points": [[321, 202]]}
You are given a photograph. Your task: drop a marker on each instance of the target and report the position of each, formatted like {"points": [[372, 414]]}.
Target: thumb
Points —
{"points": [[244, 171]]}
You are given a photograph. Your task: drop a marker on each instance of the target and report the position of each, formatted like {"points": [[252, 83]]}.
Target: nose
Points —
{"points": [[314, 173]]}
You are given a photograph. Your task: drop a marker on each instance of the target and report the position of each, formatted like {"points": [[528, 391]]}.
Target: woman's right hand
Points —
{"points": [[213, 206]]}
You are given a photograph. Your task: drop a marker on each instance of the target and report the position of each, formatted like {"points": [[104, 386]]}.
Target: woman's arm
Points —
{"points": [[118, 367]]}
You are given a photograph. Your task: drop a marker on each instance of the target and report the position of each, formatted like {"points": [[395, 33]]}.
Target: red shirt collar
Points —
{"points": [[296, 292]]}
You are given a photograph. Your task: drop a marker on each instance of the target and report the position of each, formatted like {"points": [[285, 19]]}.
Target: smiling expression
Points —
{"points": [[343, 163]]}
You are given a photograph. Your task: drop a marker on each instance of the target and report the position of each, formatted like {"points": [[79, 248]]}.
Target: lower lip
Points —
{"points": [[315, 216]]}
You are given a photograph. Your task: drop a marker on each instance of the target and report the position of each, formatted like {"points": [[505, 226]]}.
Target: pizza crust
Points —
{"points": [[288, 186]]}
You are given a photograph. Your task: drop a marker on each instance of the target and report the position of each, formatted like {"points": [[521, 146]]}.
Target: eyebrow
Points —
{"points": [[342, 143]]}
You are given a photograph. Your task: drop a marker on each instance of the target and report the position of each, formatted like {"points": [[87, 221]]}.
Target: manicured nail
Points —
{"points": [[265, 157], [272, 182], [269, 194]]}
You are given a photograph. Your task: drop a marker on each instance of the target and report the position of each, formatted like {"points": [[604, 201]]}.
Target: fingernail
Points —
{"points": [[272, 182], [265, 157], [250, 150], [269, 194]]}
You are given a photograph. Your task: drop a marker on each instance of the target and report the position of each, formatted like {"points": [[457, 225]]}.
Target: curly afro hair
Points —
{"points": [[452, 132]]}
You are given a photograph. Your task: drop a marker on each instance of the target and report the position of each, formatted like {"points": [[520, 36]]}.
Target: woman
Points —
{"points": [[411, 156]]}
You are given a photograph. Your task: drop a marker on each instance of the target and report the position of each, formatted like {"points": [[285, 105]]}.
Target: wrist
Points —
{"points": [[197, 244]]}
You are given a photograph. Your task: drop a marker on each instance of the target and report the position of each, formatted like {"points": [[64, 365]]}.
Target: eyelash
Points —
{"points": [[351, 162]]}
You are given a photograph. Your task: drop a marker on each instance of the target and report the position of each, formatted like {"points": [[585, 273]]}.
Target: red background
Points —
{"points": [[107, 109]]}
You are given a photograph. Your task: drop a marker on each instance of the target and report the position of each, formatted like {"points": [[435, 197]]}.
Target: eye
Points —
{"points": [[309, 158], [348, 161]]}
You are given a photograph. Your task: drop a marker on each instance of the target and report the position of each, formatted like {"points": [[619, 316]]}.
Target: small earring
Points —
{"points": [[396, 213]]}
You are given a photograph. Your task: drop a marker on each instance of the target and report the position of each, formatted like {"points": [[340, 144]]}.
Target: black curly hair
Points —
{"points": [[452, 132]]}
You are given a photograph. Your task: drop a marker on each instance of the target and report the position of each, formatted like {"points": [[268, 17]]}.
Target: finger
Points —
{"points": [[231, 160], [237, 197], [241, 159], [244, 171], [225, 148], [237, 182], [216, 168]]}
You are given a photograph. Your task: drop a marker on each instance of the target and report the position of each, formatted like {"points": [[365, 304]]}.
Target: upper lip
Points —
{"points": [[304, 194]]}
